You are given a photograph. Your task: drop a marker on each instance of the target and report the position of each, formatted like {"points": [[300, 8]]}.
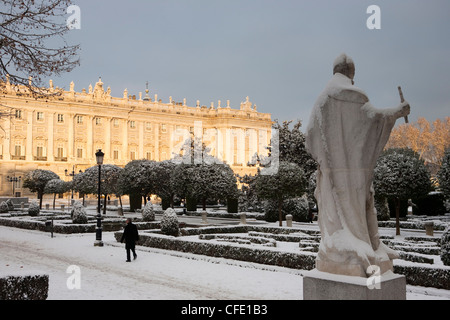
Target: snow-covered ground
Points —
{"points": [[155, 274]]}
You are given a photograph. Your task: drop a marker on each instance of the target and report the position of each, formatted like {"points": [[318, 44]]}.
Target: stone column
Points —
{"points": [[125, 155], [229, 148], [156, 128], [289, 220], [90, 138], [241, 146], [7, 141], [50, 137], [171, 151], [71, 139], [219, 145], [29, 143], [141, 139], [253, 143], [108, 154]]}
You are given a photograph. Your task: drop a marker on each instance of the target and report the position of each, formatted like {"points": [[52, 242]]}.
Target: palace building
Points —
{"points": [[61, 131]]}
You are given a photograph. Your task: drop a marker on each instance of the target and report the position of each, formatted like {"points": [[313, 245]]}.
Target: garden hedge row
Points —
{"points": [[411, 225], [72, 228], [24, 287], [427, 276], [257, 255]]}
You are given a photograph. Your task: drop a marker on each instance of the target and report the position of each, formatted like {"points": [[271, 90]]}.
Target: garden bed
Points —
{"points": [[234, 242], [24, 287], [63, 224]]}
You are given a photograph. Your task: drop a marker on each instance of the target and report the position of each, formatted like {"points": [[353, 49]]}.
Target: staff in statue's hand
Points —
{"points": [[402, 99]]}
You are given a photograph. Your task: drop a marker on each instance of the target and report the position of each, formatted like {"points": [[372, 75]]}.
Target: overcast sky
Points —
{"points": [[279, 53]]}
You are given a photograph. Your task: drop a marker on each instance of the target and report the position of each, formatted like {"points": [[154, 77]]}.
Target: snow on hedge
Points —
{"points": [[169, 223], [78, 213], [33, 209], [148, 214]]}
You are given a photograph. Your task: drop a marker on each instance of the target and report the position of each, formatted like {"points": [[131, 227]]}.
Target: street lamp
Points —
{"points": [[14, 180], [98, 234], [72, 174]]}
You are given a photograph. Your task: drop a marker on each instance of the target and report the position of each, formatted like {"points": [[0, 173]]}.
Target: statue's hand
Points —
{"points": [[403, 109]]}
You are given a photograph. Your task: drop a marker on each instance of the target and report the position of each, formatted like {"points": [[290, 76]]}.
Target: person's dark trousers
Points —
{"points": [[128, 247]]}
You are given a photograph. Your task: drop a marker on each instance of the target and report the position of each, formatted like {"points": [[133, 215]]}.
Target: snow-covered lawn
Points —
{"points": [[155, 274]]}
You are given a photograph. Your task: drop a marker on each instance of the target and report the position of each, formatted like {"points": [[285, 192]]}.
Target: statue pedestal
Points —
{"points": [[319, 285]]}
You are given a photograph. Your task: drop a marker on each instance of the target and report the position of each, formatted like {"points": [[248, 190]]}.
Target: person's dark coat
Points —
{"points": [[130, 234]]}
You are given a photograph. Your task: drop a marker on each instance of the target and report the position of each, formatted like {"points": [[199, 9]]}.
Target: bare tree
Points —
{"points": [[32, 44]]}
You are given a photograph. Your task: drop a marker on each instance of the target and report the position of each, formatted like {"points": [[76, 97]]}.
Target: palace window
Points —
{"points": [[115, 122], [60, 152], [132, 124], [79, 119], [17, 150], [116, 154], [18, 114], [98, 121], [133, 155], [163, 128], [60, 118], [79, 153], [40, 151], [39, 116], [148, 126]]}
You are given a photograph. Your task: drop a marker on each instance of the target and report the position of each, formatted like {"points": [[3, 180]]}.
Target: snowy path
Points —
{"points": [[106, 275], [155, 275]]}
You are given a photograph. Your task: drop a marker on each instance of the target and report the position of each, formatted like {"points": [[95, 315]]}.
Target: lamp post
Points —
{"points": [[98, 233], [14, 180], [72, 174]]}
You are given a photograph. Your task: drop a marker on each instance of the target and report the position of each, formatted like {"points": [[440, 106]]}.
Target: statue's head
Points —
{"points": [[344, 65]]}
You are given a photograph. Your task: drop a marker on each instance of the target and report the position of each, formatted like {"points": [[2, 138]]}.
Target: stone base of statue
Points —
{"points": [[319, 285]]}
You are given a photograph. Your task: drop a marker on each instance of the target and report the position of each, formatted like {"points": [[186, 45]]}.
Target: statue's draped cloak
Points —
{"points": [[345, 136]]}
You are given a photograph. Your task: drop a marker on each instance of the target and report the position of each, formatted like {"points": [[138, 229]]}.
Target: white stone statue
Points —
{"points": [[345, 135]]}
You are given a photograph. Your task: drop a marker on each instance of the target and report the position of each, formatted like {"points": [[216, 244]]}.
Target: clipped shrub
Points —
{"points": [[232, 205], [147, 213], [382, 207], [24, 287], [169, 223], [33, 209], [431, 205], [191, 204], [78, 213], [4, 207], [297, 207], [445, 247], [10, 205]]}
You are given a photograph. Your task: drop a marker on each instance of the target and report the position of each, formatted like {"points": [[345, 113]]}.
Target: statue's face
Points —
{"points": [[351, 71]]}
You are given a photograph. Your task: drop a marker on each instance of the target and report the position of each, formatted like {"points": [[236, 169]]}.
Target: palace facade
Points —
{"points": [[61, 131]]}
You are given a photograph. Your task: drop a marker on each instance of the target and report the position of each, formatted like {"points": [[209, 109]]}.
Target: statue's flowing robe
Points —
{"points": [[346, 134]]}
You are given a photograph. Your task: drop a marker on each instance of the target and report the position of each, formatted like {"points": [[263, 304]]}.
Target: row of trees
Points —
{"points": [[400, 174], [429, 140], [142, 178]]}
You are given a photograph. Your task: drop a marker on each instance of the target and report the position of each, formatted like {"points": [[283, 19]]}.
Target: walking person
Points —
{"points": [[130, 235]]}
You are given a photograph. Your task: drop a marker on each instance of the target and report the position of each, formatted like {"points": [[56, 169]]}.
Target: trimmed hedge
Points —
{"points": [[264, 256], [418, 224], [425, 276], [73, 228], [26, 287], [418, 275]]}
